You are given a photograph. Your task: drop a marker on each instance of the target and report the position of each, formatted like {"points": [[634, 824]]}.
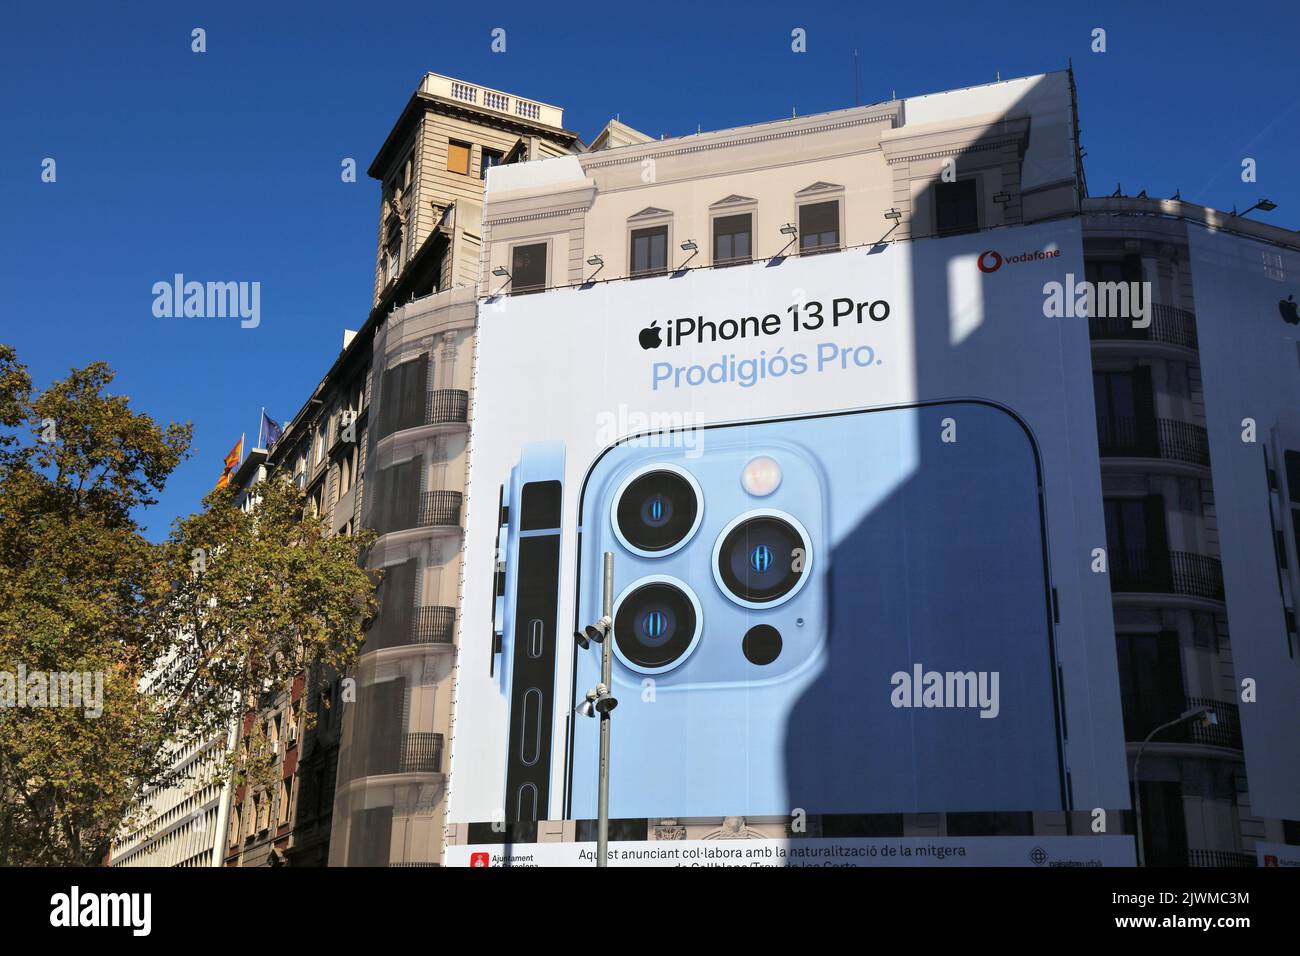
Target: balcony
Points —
{"points": [[1219, 858], [447, 406], [1224, 732], [430, 624], [440, 509], [1166, 572], [490, 100], [434, 625], [1169, 326], [1160, 438], [421, 753]]}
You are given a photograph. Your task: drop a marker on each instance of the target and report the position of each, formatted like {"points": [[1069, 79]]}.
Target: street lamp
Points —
{"points": [[1204, 714], [600, 702]]}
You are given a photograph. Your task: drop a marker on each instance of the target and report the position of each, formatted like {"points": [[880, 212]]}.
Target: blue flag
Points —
{"points": [[269, 432]]}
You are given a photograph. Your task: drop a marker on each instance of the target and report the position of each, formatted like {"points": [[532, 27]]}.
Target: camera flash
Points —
{"points": [[761, 476]]}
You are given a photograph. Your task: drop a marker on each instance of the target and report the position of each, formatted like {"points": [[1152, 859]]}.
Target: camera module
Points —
{"points": [[656, 624], [656, 510], [762, 558]]}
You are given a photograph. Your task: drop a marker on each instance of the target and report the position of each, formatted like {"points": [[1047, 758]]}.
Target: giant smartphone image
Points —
{"points": [[525, 608], [842, 613]]}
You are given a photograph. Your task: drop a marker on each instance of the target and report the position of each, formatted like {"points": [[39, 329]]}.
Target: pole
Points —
{"points": [[1137, 780], [606, 674]]}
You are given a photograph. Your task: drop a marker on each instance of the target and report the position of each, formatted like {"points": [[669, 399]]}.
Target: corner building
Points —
{"points": [[1183, 625]]}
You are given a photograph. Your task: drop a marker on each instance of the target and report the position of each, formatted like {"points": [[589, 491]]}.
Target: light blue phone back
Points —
{"points": [[923, 551]]}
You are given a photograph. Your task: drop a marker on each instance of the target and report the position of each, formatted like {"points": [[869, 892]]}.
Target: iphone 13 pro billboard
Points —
{"points": [[851, 500]]}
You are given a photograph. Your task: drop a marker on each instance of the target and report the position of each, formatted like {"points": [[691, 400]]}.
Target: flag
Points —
{"points": [[269, 431], [233, 458]]}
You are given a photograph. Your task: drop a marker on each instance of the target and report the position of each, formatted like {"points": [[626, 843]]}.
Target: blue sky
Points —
{"points": [[225, 165]]}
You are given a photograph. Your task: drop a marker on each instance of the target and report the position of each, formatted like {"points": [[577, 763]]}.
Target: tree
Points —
{"points": [[173, 648], [260, 596]]}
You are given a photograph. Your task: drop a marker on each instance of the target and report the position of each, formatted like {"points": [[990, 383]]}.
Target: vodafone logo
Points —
{"points": [[991, 260]]}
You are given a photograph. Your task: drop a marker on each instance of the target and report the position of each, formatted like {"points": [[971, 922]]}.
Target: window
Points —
{"points": [[1164, 826], [458, 157], [1150, 681], [403, 395], [731, 235], [649, 255], [347, 470], [528, 268], [1136, 544], [233, 836], [1104, 272], [819, 227], [1128, 269], [956, 207], [325, 708], [1126, 419], [286, 791], [487, 159]]}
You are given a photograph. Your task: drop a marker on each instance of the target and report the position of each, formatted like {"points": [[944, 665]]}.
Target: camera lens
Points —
{"points": [[762, 559], [656, 511], [655, 624]]}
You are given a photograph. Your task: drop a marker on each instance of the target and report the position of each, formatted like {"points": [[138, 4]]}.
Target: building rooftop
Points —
{"points": [[1191, 212], [496, 101]]}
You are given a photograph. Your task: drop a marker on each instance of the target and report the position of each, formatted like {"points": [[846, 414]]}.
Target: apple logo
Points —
{"points": [[650, 336], [1288, 308]]}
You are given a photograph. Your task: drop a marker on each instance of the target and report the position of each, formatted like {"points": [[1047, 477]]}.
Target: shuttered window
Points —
{"points": [[393, 626], [404, 394], [458, 158], [397, 501]]}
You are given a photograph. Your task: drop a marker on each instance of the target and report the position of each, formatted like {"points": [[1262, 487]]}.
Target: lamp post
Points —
{"points": [[1210, 720], [600, 702]]}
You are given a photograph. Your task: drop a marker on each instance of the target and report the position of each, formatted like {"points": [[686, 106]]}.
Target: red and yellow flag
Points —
{"points": [[233, 458]]}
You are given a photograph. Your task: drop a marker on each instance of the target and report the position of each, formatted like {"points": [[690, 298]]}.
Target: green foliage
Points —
{"points": [[183, 649]]}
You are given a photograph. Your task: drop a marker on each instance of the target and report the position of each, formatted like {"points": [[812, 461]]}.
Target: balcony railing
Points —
{"points": [[1169, 326], [1219, 858], [1167, 572], [421, 753], [496, 100], [434, 625], [447, 406], [439, 509], [1224, 732], [1163, 438]]}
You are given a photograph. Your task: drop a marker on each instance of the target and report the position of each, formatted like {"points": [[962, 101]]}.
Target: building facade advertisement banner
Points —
{"points": [[852, 501], [1249, 332]]}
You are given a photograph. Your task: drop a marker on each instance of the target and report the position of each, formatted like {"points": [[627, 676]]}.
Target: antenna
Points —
{"points": [[856, 100]]}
